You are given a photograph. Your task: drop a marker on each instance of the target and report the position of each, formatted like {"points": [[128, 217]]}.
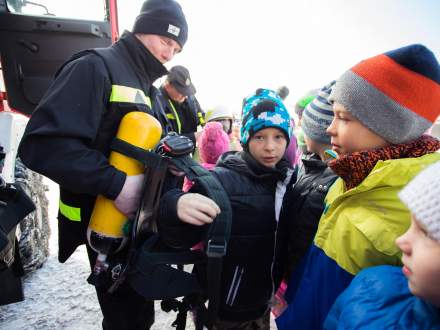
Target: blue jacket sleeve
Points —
{"points": [[379, 298]]}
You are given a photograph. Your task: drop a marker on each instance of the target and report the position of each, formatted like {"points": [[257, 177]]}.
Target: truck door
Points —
{"points": [[37, 36]]}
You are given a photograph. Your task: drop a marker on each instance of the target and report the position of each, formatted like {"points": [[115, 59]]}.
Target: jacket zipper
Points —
{"points": [[273, 260], [235, 284]]}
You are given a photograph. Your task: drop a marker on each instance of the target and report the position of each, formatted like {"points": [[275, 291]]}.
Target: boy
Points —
{"points": [[303, 202], [404, 303], [382, 107], [249, 178]]}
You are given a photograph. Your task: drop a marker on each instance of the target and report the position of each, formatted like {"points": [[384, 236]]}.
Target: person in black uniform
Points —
{"points": [[68, 137], [177, 97]]}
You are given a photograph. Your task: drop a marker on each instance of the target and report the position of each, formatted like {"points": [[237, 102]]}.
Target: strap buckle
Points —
{"points": [[174, 145], [216, 249], [116, 272]]}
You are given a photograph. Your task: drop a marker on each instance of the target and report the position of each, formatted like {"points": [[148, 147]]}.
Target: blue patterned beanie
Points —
{"points": [[262, 110]]}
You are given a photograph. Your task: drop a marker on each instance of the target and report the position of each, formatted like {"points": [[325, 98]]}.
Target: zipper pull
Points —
{"points": [[331, 154]]}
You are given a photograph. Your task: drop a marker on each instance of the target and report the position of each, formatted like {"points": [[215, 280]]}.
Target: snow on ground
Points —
{"points": [[57, 295]]}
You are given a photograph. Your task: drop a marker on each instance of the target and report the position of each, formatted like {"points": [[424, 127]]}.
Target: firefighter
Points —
{"points": [[179, 103], [69, 135]]}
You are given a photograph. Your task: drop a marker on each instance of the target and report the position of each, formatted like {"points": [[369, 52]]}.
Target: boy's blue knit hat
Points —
{"points": [[261, 110], [318, 116]]}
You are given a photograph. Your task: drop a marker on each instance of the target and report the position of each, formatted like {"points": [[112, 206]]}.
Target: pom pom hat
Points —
{"points": [[396, 95], [213, 142], [261, 110]]}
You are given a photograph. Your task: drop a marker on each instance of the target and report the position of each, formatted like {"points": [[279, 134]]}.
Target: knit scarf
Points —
{"points": [[354, 168]]}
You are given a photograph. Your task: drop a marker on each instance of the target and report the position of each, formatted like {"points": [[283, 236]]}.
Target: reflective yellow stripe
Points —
{"points": [[170, 116], [201, 119], [129, 95], [179, 125], [70, 212]]}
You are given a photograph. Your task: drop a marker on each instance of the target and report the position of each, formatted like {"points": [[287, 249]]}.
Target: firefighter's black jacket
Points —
{"points": [[67, 138]]}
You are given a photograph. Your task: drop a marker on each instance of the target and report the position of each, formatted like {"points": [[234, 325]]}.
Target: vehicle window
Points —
{"points": [[78, 9]]}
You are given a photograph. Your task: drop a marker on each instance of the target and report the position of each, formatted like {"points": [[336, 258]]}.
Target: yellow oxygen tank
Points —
{"points": [[105, 233]]}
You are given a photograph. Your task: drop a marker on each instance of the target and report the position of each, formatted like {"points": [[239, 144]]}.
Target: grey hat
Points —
{"points": [[318, 116], [422, 197], [180, 79], [396, 94]]}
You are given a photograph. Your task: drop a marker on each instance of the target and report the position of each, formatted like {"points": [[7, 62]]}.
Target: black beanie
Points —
{"points": [[162, 17]]}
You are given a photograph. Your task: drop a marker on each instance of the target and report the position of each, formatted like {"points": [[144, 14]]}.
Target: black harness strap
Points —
{"points": [[155, 171], [219, 231], [155, 265], [185, 257], [154, 278], [147, 158]]}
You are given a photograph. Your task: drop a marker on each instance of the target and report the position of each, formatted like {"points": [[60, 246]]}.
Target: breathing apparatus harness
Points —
{"points": [[148, 264]]}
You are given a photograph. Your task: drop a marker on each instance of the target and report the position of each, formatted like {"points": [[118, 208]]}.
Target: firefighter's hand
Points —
{"points": [[128, 199], [196, 209]]}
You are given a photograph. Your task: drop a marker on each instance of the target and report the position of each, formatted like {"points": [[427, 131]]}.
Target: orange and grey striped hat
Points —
{"points": [[396, 94]]}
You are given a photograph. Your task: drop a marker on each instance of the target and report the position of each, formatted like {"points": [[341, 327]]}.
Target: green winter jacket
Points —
{"points": [[367, 219]]}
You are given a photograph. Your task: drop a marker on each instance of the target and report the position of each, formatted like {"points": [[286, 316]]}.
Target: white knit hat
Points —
{"points": [[422, 197]]}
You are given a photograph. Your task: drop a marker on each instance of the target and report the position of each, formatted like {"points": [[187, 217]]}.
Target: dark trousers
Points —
{"points": [[123, 309], [262, 323]]}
